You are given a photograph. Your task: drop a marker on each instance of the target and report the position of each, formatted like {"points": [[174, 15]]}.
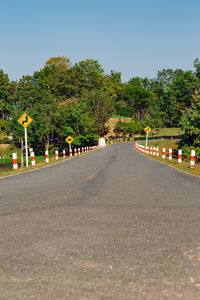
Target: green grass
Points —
{"points": [[174, 144], [166, 132], [40, 162]]}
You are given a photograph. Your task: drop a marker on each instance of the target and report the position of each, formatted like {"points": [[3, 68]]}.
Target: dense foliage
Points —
{"points": [[65, 99]]}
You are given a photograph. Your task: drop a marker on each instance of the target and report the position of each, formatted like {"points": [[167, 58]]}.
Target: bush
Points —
{"points": [[5, 141], [186, 152]]}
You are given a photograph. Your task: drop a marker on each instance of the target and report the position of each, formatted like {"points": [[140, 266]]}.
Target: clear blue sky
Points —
{"points": [[135, 37]]}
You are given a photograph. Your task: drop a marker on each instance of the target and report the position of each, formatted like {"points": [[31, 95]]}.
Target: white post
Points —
{"points": [[22, 147], [26, 145]]}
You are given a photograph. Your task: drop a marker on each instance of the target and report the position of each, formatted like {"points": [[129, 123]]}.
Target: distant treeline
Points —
{"points": [[77, 100]]}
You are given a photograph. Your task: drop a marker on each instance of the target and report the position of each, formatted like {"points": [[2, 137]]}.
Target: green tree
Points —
{"points": [[140, 99], [178, 96], [100, 107], [140, 82], [190, 123], [197, 67], [35, 95], [74, 119], [5, 95]]}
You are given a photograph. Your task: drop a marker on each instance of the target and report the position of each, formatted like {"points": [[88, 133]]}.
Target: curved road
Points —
{"points": [[112, 224]]}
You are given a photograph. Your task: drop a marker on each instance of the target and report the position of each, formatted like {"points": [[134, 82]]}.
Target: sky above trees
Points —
{"points": [[137, 38]]}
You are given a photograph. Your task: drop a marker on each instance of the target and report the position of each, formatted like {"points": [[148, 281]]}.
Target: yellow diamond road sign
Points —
{"points": [[147, 129], [69, 139], [25, 120]]}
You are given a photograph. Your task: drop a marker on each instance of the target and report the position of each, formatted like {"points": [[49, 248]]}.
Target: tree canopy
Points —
{"points": [[78, 99]]}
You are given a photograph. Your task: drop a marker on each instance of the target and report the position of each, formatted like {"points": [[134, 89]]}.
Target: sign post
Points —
{"points": [[25, 120], [69, 140], [147, 130]]}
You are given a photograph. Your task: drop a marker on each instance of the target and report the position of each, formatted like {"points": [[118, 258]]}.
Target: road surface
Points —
{"points": [[111, 224]]}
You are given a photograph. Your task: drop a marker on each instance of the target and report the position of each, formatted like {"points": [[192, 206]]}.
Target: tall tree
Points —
{"points": [[5, 95], [140, 99], [61, 63], [100, 107]]}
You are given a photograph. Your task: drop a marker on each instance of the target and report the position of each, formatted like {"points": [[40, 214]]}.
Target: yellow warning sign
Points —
{"points": [[69, 139], [25, 120], [147, 129]]}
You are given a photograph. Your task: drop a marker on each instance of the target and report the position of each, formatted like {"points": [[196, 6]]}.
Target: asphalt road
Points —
{"points": [[112, 224]]}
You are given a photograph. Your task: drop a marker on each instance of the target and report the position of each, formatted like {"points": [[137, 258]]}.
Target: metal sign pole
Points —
{"points": [[70, 148], [26, 145], [146, 139], [22, 147]]}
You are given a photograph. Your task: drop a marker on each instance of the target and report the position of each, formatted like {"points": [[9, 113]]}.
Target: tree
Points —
{"points": [[35, 95], [190, 123], [5, 95], [140, 82], [177, 97], [100, 107], [61, 63], [74, 119], [197, 67], [140, 99]]}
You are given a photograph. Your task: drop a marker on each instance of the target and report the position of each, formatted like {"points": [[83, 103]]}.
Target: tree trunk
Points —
{"points": [[47, 143]]}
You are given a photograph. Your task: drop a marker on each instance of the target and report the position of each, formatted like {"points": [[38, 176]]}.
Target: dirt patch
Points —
{"points": [[4, 146], [111, 125]]}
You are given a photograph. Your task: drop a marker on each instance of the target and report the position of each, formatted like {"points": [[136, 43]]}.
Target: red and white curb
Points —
{"points": [[155, 152]]}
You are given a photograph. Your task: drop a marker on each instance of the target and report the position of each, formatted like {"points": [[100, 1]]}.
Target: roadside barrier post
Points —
{"points": [[79, 151], [151, 150], [64, 154], [15, 164], [170, 153], [70, 152], [154, 151], [157, 151], [46, 156], [192, 159], [56, 154], [179, 156], [33, 159], [75, 152], [163, 153], [83, 150]]}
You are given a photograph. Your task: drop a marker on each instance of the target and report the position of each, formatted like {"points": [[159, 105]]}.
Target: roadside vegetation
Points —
{"points": [[175, 145], [79, 100]]}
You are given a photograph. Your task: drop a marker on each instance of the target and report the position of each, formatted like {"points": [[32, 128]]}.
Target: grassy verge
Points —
{"points": [[184, 166], [40, 162], [166, 132]]}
